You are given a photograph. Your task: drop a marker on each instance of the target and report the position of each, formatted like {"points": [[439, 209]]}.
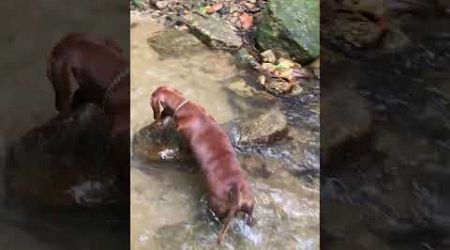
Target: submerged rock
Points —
{"points": [[348, 117], [174, 42], [352, 31], [213, 31], [243, 89], [291, 27]]}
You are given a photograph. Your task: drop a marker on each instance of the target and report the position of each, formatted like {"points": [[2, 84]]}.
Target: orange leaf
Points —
{"points": [[217, 6], [209, 10], [246, 21], [214, 8]]}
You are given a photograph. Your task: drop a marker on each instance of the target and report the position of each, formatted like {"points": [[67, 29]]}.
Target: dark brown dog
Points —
{"points": [[229, 191], [100, 71]]}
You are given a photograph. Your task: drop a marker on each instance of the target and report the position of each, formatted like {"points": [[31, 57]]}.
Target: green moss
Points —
{"points": [[291, 27]]}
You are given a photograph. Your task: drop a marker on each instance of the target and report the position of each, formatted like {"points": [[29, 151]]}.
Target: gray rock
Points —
{"points": [[244, 59], [269, 56], [213, 31], [242, 89], [160, 142], [291, 27], [161, 4], [174, 42], [265, 129]]}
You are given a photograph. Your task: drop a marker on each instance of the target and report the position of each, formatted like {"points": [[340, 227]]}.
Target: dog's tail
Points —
{"points": [[234, 197]]}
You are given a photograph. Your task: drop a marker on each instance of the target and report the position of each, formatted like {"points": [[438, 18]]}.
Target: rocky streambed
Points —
{"points": [[276, 136]]}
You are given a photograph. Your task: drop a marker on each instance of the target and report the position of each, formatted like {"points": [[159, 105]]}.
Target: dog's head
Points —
{"points": [[160, 101]]}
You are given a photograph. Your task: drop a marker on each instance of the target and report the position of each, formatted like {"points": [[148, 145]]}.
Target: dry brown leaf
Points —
{"points": [[217, 6], [246, 21], [214, 8]]}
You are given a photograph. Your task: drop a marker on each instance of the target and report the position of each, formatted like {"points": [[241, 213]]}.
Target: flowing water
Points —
{"points": [[168, 201]]}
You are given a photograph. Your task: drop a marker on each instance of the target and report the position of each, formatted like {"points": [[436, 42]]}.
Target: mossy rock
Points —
{"points": [[291, 28]]}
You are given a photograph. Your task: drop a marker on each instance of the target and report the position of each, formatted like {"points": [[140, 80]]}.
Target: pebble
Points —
{"points": [[269, 56], [249, 5], [161, 4]]}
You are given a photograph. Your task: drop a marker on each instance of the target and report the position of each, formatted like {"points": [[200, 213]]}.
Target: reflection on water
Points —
{"points": [[168, 199]]}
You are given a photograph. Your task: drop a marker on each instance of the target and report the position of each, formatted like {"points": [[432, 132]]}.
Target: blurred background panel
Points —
{"points": [[30, 29], [385, 124]]}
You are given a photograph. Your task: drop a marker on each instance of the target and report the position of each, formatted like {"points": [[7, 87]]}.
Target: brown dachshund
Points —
{"points": [[100, 71], [229, 192]]}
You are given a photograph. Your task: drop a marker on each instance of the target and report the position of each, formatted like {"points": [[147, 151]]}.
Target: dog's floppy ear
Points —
{"points": [[158, 108]]}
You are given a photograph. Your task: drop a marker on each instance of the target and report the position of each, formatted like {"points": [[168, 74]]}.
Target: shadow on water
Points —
{"points": [[168, 196]]}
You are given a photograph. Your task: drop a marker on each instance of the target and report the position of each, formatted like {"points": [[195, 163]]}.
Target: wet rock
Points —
{"points": [[276, 86], [257, 166], [291, 27], [213, 31], [247, 99], [174, 42], [161, 4], [264, 129], [315, 67], [53, 164], [285, 77], [395, 39], [160, 142], [269, 56], [245, 58], [242, 89]]}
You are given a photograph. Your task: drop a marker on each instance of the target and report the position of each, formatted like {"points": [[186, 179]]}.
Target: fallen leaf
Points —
{"points": [[214, 8], [286, 74], [268, 67], [203, 10], [217, 6], [287, 63], [246, 21]]}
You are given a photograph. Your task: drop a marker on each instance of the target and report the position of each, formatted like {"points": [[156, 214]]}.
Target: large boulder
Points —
{"points": [[291, 27]]}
